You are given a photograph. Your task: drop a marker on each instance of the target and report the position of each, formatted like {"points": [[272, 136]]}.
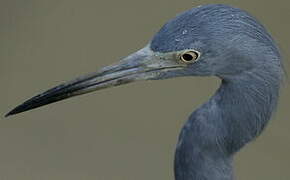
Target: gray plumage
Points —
{"points": [[240, 51], [231, 45]]}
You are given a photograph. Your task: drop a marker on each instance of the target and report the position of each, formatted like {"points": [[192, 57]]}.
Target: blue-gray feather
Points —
{"points": [[239, 50], [204, 22]]}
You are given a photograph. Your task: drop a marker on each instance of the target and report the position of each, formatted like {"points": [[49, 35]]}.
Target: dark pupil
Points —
{"points": [[187, 57]]}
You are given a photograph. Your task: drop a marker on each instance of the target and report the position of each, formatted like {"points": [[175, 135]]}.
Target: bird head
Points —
{"points": [[211, 40]]}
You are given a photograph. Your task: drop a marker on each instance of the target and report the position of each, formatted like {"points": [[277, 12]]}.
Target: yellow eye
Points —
{"points": [[189, 56]]}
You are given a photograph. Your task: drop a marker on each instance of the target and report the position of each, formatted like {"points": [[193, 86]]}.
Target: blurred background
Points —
{"points": [[124, 133]]}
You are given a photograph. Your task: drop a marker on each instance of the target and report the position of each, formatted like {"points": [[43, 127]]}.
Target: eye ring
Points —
{"points": [[189, 56]]}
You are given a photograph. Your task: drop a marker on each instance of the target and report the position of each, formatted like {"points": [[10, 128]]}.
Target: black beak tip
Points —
{"points": [[12, 112], [8, 114], [18, 109]]}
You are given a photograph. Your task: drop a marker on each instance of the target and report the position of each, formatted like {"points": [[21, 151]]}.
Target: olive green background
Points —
{"points": [[123, 133]]}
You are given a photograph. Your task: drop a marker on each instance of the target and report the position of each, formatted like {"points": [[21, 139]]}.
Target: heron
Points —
{"points": [[210, 40]]}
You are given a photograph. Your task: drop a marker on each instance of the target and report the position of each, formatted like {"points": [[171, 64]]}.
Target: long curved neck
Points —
{"points": [[237, 113]]}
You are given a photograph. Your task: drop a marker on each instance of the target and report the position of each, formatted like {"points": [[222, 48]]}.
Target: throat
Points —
{"points": [[235, 115]]}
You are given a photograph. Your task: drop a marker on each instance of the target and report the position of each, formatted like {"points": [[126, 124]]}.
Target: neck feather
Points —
{"points": [[236, 114]]}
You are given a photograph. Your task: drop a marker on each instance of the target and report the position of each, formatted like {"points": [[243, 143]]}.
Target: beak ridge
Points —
{"points": [[141, 65]]}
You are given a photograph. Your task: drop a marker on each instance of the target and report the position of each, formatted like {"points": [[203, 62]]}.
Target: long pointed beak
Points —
{"points": [[142, 65]]}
